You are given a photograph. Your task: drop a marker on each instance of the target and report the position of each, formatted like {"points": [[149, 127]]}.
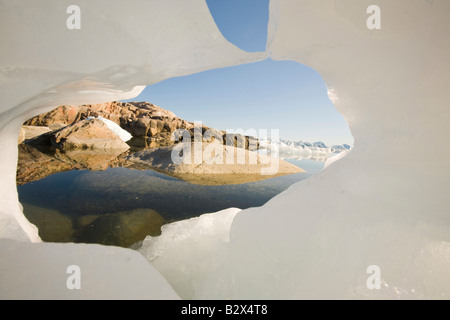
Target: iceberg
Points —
{"points": [[384, 204]]}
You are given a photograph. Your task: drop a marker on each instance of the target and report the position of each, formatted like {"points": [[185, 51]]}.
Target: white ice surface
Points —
{"points": [[121, 46], [39, 271], [188, 252], [386, 203]]}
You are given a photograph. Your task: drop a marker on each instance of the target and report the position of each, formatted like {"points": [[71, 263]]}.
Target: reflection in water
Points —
{"points": [[121, 205]]}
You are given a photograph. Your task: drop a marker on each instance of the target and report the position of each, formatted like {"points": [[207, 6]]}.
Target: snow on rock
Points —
{"points": [[114, 127]]}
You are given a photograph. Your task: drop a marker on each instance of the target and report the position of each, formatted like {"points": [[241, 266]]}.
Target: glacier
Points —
{"points": [[385, 203]]}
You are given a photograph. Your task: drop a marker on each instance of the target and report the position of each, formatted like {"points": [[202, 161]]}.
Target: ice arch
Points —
{"points": [[119, 47], [376, 206], [386, 203]]}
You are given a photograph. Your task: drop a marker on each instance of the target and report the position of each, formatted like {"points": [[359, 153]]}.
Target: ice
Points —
{"points": [[189, 251], [385, 204], [40, 271], [335, 158], [120, 48]]}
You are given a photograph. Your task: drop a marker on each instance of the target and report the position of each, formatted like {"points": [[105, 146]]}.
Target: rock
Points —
{"points": [[53, 225], [132, 116], [140, 127], [63, 115], [141, 119], [94, 160], [34, 165], [30, 132], [56, 126], [87, 134], [219, 164], [129, 227]]}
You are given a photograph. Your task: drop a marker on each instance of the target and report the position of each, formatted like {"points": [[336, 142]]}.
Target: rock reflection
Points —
{"points": [[102, 197]]}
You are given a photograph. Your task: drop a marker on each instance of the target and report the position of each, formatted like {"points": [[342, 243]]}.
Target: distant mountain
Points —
{"points": [[304, 150], [315, 145], [341, 147]]}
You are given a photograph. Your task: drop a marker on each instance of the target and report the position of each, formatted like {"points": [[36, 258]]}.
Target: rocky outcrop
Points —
{"points": [[141, 119], [219, 164], [30, 132], [87, 134]]}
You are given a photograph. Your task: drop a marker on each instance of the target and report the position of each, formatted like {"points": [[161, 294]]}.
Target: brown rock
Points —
{"points": [[94, 160], [218, 165], [30, 132], [34, 165], [141, 119], [87, 134]]}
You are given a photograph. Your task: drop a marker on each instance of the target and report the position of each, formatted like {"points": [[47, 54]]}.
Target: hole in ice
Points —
{"points": [[97, 195], [109, 196], [242, 22]]}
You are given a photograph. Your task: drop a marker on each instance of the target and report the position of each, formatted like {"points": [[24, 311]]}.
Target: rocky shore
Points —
{"points": [[142, 120], [80, 137]]}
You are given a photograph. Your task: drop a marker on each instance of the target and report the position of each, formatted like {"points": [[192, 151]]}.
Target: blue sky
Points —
{"points": [[282, 95]]}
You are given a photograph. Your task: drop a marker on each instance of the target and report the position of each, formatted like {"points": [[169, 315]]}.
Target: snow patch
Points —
{"points": [[114, 127]]}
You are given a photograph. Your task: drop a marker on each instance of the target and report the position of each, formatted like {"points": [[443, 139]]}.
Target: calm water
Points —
{"points": [[120, 206]]}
